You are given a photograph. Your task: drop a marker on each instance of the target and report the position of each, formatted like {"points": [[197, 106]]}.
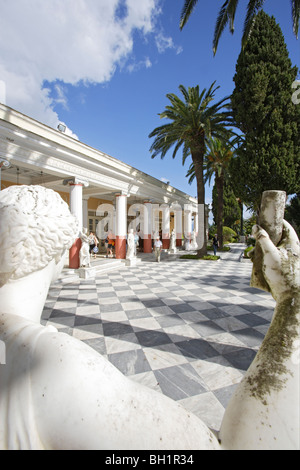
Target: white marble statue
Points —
{"points": [[264, 412], [194, 245], [187, 243], [84, 254], [130, 254], [55, 391], [58, 393], [173, 242]]}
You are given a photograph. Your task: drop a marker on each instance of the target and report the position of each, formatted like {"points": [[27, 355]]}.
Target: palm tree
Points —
{"points": [[227, 13], [192, 121], [216, 162]]}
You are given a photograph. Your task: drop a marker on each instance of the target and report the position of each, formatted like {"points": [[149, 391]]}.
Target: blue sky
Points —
{"points": [[106, 75]]}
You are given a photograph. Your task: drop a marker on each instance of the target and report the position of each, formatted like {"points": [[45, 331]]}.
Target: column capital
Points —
{"points": [[176, 205], [121, 193], [5, 163], [75, 181]]}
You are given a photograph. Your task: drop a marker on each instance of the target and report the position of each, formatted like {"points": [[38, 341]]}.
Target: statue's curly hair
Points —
{"points": [[36, 226]]}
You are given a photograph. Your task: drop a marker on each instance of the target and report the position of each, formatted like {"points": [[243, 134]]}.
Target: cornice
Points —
{"points": [[34, 144]]}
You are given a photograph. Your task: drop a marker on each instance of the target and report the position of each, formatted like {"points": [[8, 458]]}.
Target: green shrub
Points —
{"points": [[206, 257], [229, 235], [247, 251], [225, 248]]}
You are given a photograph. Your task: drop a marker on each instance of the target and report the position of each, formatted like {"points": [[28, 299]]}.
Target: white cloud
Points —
{"points": [[163, 43], [67, 42], [61, 97], [135, 66]]}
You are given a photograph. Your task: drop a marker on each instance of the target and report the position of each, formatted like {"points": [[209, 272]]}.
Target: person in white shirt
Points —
{"points": [[157, 249]]}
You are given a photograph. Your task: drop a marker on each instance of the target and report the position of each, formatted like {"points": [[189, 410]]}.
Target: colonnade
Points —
{"points": [[79, 208]]}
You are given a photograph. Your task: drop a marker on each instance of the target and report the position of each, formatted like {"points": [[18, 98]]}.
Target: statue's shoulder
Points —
{"points": [[15, 329]]}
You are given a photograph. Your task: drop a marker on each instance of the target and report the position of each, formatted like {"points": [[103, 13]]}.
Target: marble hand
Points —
{"points": [[281, 264]]}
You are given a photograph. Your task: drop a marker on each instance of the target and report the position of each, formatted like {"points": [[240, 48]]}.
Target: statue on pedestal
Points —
{"points": [[172, 248], [130, 254], [84, 255], [194, 245]]}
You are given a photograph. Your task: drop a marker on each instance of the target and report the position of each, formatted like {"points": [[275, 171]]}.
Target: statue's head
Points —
{"points": [[36, 227]]}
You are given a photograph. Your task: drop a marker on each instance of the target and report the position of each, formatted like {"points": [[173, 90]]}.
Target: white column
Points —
{"points": [[187, 225], [121, 225], [76, 198], [155, 219], [176, 207], [147, 228], [76, 186], [85, 212], [165, 225], [201, 226], [76, 203], [187, 221]]}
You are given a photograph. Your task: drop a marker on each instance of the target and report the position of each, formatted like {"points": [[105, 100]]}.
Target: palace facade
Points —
{"points": [[99, 189]]}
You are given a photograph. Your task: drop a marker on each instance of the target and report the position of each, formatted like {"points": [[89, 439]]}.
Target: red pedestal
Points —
{"points": [[147, 243], [74, 262], [166, 243], [120, 247]]}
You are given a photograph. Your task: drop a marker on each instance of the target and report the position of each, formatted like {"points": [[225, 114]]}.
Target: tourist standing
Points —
{"points": [[157, 248], [93, 244], [215, 244]]}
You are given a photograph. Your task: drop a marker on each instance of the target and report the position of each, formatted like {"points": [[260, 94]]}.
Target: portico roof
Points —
{"points": [[40, 154]]}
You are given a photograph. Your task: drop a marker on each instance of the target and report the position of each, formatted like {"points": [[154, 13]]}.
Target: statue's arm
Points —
{"points": [[263, 412], [83, 402], [74, 399]]}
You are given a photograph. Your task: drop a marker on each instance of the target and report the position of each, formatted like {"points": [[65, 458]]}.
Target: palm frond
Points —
{"points": [[295, 16], [231, 13], [252, 9], [186, 153], [185, 92], [177, 147], [186, 11], [226, 13], [191, 174]]}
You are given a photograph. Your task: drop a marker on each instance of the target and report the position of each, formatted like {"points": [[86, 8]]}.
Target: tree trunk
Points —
{"points": [[197, 158], [242, 217], [220, 209]]}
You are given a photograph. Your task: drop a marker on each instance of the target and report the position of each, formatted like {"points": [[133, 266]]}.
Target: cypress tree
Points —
{"points": [[292, 213], [231, 209], [263, 110]]}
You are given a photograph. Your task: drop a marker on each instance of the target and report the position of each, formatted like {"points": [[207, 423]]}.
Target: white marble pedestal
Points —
{"points": [[86, 273], [132, 261]]}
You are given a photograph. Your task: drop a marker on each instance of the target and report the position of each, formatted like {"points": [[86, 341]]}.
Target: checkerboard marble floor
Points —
{"points": [[188, 329]]}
